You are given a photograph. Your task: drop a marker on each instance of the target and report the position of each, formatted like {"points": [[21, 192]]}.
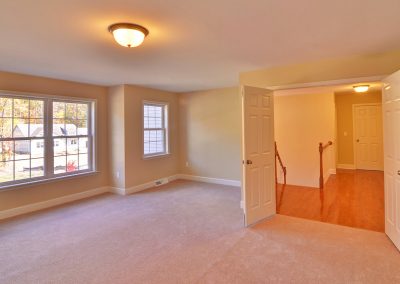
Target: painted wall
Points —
{"points": [[129, 168], [301, 122], [210, 128], [324, 70], [116, 126], [344, 113], [46, 191]]}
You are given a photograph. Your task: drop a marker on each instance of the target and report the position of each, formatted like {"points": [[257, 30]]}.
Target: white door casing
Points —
{"points": [[391, 119], [368, 136], [258, 154]]}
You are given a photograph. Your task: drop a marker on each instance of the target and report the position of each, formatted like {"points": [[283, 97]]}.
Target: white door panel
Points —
{"points": [[391, 109], [369, 136], [258, 154]]}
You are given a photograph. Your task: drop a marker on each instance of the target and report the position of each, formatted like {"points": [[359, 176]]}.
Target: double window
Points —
{"points": [[155, 129], [44, 138]]}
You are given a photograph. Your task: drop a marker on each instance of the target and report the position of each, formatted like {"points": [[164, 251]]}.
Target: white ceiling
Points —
{"points": [[193, 44]]}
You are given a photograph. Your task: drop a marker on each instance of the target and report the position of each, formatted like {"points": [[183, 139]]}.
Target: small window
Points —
{"points": [[155, 129]]}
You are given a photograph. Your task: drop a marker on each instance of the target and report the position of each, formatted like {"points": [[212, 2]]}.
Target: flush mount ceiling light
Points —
{"points": [[128, 35], [361, 88]]}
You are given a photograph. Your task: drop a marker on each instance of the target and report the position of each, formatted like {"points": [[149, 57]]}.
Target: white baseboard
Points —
{"points": [[328, 174], [51, 203], [141, 187], [346, 166], [210, 180]]}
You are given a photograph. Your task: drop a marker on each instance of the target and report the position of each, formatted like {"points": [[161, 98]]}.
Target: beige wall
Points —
{"points": [[126, 148], [116, 126], [46, 191], [301, 122], [324, 70], [344, 112], [210, 127]]}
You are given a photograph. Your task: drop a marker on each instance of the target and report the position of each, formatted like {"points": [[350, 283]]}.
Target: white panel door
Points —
{"points": [[368, 136], [391, 110], [258, 154]]}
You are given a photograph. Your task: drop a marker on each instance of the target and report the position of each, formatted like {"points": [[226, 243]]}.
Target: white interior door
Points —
{"points": [[258, 154], [368, 136], [391, 109]]}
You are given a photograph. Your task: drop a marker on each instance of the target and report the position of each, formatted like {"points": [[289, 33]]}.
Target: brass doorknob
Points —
{"points": [[249, 162], [398, 172], [358, 140]]}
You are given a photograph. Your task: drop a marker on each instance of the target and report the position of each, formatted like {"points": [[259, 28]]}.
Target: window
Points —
{"points": [[44, 138], [155, 129]]}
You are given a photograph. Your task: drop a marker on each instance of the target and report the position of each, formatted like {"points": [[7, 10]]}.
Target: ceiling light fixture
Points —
{"points": [[128, 35], [361, 88]]}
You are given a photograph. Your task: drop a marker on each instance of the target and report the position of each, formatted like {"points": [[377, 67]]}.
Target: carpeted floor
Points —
{"points": [[186, 232]]}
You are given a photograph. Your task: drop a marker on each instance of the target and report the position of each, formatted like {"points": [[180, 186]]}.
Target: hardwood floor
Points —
{"points": [[352, 198]]}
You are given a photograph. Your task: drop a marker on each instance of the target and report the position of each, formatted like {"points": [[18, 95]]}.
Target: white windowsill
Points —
{"points": [[155, 156], [47, 180]]}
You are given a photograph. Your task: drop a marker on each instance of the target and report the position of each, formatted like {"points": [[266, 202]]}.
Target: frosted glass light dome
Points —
{"points": [[128, 35]]}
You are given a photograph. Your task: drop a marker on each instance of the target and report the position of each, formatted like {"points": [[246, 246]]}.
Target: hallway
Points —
{"points": [[353, 198]]}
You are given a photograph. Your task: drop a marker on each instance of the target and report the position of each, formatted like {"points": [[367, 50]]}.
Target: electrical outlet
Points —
{"points": [[117, 174], [187, 164]]}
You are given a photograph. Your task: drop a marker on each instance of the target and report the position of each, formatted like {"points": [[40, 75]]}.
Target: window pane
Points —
{"points": [[21, 108], [146, 148], [70, 110], [72, 145], [82, 111], [60, 164], [22, 149], [6, 151], [59, 127], [36, 109], [22, 169], [21, 127], [83, 162], [82, 127], [6, 171], [5, 127], [60, 146], [83, 145], [5, 107], [36, 127], [58, 110], [37, 167], [37, 148], [72, 163], [70, 127]]}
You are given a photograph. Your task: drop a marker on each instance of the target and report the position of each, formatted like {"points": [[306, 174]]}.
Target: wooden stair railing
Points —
{"points": [[321, 166], [277, 156]]}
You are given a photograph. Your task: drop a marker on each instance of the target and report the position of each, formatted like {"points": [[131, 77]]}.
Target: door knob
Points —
{"points": [[398, 172], [249, 162], [358, 140]]}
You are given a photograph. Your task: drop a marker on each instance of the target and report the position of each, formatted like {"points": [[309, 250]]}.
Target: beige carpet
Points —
{"points": [[186, 232]]}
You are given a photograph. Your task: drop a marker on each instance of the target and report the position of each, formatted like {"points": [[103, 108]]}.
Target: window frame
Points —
{"points": [[48, 138], [165, 122]]}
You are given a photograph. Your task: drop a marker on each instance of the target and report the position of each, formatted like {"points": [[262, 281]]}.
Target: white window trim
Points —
{"points": [[48, 138], [166, 122]]}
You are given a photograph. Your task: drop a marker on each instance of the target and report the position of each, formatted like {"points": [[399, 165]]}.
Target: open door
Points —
{"points": [[258, 154], [391, 121]]}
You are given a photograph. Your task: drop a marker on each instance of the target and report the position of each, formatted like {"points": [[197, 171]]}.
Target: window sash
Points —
{"points": [[164, 128], [48, 138]]}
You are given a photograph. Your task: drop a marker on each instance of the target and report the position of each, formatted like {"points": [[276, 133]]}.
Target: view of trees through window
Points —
{"points": [[21, 128], [23, 139]]}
